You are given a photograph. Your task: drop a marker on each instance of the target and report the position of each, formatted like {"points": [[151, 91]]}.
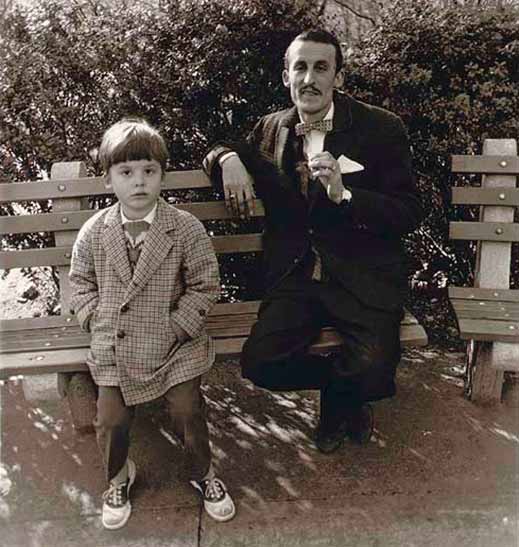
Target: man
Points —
{"points": [[338, 197]]}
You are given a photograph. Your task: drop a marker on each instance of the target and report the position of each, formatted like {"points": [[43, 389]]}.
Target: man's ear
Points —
{"points": [[339, 79], [286, 79]]}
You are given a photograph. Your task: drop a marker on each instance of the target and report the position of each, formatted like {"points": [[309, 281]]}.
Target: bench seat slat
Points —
{"points": [[470, 293], [71, 360], [487, 330], [57, 337], [476, 310], [484, 231]]}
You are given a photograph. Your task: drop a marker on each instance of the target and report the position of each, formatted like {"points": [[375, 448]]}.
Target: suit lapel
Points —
{"points": [[155, 249], [283, 151], [114, 244], [341, 140]]}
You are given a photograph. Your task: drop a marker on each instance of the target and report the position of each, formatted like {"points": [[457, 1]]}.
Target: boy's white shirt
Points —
{"points": [[148, 218]]}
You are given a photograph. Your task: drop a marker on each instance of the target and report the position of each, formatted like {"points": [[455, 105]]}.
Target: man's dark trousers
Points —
{"points": [[290, 318]]}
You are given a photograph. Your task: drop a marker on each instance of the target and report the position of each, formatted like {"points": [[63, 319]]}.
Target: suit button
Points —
{"points": [[296, 260], [201, 313], [121, 334], [125, 307], [311, 231]]}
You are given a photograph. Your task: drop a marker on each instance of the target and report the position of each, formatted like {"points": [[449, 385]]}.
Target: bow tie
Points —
{"points": [[322, 125]]}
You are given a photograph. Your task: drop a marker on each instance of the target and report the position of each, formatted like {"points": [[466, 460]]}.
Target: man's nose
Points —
{"points": [[309, 77]]}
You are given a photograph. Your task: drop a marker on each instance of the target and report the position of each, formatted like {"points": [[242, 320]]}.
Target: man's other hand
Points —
{"points": [[325, 168], [238, 188]]}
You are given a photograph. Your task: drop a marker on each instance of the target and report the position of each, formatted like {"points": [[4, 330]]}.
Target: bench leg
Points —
{"points": [[483, 383], [81, 395]]}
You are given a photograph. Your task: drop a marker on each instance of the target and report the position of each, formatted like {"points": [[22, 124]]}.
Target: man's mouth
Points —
{"points": [[310, 91]]}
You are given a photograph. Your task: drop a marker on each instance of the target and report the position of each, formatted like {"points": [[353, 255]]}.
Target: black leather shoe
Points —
{"points": [[357, 425]]}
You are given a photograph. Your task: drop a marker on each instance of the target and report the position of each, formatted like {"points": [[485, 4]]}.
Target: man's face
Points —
{"points": [[137, 185], [311, 78]]}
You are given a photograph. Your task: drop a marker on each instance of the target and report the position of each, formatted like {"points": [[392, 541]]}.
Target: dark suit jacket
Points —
{"points": [[360, 243]]}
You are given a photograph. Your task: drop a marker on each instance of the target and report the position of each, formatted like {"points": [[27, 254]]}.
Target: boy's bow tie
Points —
{"points": [[322, 125]]}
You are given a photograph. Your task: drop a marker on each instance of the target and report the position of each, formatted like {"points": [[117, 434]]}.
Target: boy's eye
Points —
{"points": [[150, 171]]}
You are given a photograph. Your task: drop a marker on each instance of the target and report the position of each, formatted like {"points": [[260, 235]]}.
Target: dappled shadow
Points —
{"points": [[426, 439]]}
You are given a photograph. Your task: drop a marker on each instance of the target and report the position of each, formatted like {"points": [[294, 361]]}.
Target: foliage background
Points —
{"points": [[202, 70]]}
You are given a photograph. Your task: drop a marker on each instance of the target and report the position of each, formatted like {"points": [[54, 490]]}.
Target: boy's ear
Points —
{"points": [[107, 182]]}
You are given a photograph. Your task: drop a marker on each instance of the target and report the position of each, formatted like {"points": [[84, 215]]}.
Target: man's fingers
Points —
{"points": [[249, 202], [239, 198]]}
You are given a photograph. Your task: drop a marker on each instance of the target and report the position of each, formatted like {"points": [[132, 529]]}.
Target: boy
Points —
{"points": [[144, 277]]}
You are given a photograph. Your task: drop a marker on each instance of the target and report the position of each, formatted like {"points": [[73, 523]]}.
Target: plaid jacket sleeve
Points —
{"points": [[82, 277], [201, 278]]}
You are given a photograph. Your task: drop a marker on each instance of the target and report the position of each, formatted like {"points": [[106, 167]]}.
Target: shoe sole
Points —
{"points": [[219, 518], [132, 472]]}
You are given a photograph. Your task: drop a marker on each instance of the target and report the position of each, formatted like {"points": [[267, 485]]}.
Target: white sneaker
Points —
{"points": [[117, 507], [217, 501]]}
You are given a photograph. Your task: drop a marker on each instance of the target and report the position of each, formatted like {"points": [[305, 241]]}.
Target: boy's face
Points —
{"points": [[137, 185]]}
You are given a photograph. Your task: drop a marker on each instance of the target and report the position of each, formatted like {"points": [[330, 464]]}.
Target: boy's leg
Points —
{"points": [[187, 410], [112, 424]]}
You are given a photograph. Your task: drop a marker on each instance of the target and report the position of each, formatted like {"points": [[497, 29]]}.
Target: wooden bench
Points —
{"points": [[40, 347], [488, 313]]}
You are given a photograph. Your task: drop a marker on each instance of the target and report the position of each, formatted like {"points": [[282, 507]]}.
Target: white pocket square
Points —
{"points": [[349, 166]]}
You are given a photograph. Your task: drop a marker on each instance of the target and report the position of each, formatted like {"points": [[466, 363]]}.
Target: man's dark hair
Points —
{"points": [[322, 37]]}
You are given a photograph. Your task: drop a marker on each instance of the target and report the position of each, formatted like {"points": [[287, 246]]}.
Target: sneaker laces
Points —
{"points": [[115, 495], [214, 490]]}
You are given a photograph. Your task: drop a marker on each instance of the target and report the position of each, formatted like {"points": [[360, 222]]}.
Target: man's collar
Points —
{"points": [[328, 116], [342, 118], [148, 218]]}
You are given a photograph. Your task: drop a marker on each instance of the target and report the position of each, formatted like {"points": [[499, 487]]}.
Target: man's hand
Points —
{"points": [[325, 168], [238, 188]]}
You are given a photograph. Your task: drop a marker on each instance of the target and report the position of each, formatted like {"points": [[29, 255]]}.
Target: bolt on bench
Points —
{"points": [[50, 351], [488, 313]]}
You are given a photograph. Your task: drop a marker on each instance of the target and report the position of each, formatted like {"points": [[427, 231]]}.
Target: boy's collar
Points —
{"points": [[148, 218]]}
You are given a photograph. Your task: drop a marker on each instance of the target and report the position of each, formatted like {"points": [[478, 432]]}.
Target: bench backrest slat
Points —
{"points": [[91, 186], [489, 164], [60, 256], [486, 196], [484, 231]]}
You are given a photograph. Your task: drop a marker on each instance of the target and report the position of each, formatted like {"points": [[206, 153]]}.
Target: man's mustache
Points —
{"points": [[310, 88]]}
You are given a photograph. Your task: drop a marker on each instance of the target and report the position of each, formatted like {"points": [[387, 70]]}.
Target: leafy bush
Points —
{"points": [[197, 69], [453, 75]]}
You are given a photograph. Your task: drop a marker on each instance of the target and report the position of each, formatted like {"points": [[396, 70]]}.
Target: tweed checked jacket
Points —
{"points": [[360, 243], [133, 319]]}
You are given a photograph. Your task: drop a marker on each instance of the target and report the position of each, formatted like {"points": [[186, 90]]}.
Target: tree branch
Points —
{"points": [[322, 8], [356, 13]]}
